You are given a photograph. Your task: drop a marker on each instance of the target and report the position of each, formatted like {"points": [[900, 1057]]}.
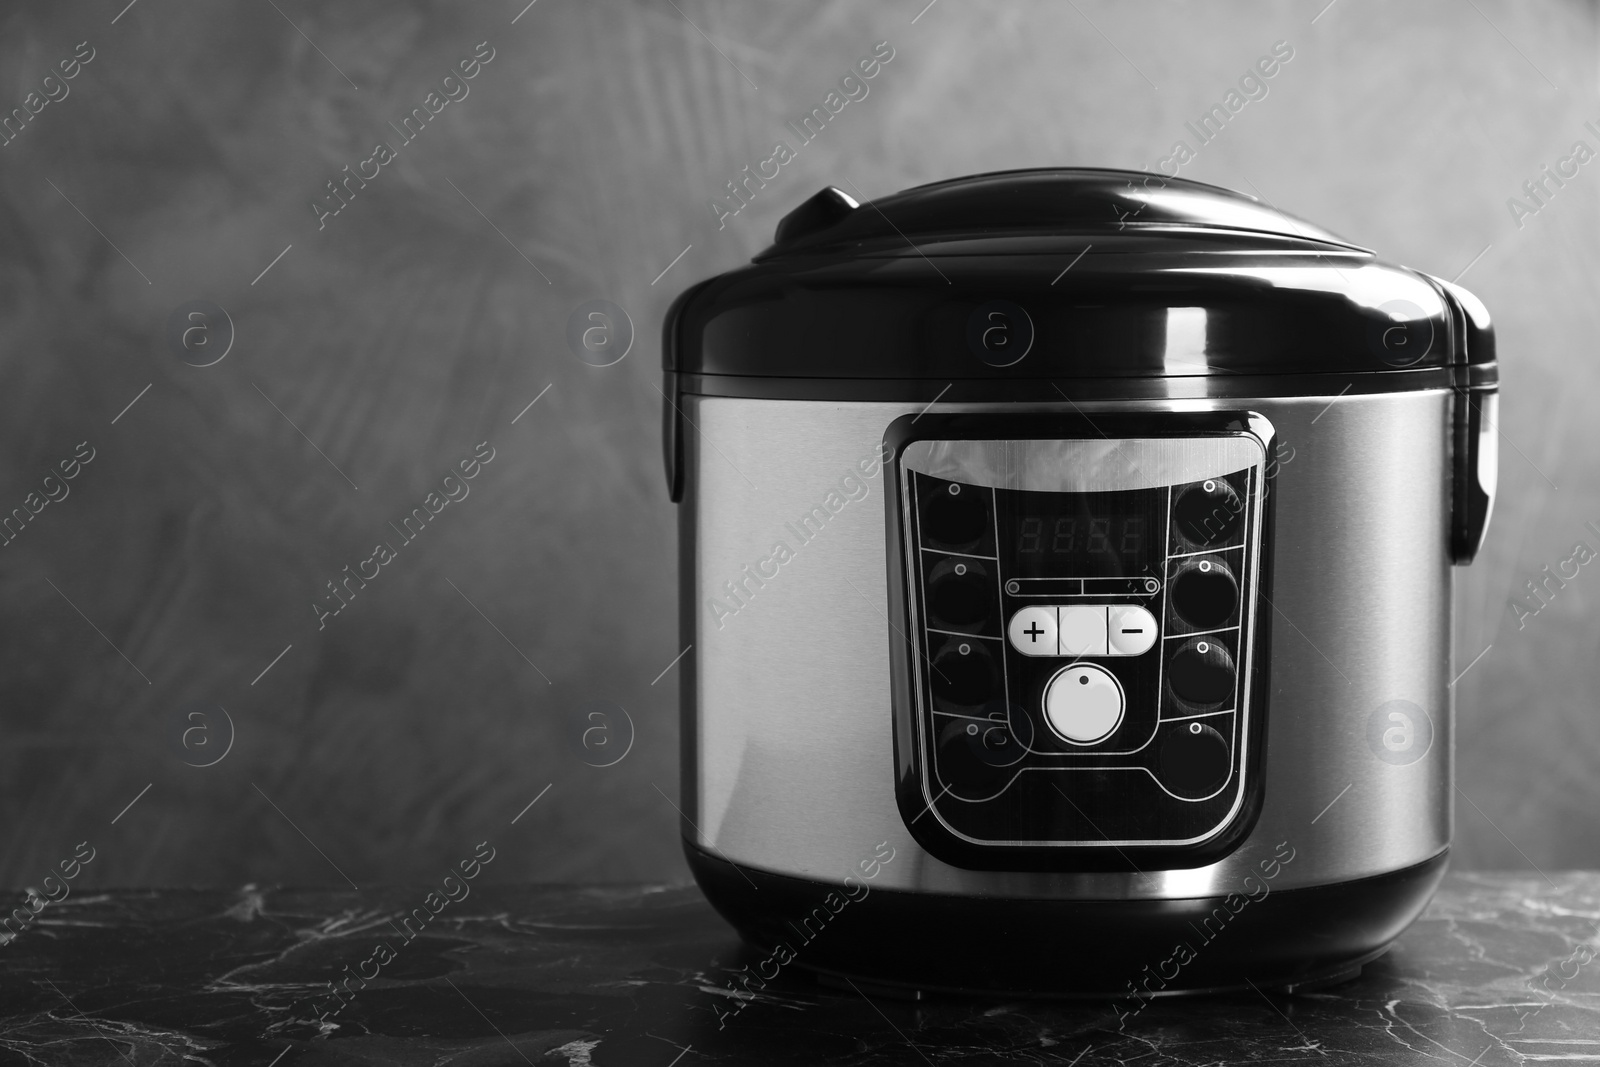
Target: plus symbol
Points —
{"points": [[1033, 632]]}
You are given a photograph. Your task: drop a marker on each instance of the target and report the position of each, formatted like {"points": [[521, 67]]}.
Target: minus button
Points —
{"points": [[1133, 629]]}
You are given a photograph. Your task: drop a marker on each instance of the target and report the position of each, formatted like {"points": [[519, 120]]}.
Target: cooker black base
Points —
{"points": [[908, 943]]}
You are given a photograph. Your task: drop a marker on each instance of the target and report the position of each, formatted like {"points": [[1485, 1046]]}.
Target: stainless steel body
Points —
{"points": [[788, 733]]}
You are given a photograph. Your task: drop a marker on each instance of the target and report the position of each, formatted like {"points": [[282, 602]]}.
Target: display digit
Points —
{"points": [[1099, 539], [1031, 541], [1132, 535], [1066, 530]]}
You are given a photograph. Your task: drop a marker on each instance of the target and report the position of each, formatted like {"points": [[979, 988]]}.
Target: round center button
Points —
{"points": [[1084, 703]]}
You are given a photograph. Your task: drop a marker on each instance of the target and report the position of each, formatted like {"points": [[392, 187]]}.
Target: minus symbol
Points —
{"points": [[1133, 631]]}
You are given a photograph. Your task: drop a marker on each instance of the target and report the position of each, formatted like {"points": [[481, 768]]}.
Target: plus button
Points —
{"points": [[1032, 630]]}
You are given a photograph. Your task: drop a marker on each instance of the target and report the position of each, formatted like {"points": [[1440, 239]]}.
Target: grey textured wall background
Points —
{"points": [[425, 316]]}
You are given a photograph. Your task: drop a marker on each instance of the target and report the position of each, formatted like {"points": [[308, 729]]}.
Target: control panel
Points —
{"points": [[1079, 639]]}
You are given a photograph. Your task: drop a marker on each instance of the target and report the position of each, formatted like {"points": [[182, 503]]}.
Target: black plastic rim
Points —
{"points": [[1008, 947]]}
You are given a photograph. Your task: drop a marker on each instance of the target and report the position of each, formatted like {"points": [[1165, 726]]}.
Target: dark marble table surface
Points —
{"points": [[1498, 971]]}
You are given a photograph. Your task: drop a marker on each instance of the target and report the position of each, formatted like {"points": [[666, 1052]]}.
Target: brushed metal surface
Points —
{"points": [[1083, 466], [793, 766]]}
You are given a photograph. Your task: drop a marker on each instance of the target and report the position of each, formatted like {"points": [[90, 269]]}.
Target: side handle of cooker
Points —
{"points": [[1476, 460], [672, 433], [672, 390], [1475, 442]]}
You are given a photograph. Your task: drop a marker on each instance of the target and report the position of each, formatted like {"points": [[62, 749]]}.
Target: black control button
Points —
{"points": [[1209, 512], [1194, 759], [962, 595], [1205, 593], [979, 755], [964, 674], [1202, 674], [959, 768], [956, 516]]}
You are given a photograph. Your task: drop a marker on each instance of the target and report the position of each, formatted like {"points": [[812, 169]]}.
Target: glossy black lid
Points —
{"points": [[1086, 273], [1019, 203]]}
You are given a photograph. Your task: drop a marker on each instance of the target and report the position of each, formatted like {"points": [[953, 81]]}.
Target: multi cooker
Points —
{"points": [[1066, 569]]}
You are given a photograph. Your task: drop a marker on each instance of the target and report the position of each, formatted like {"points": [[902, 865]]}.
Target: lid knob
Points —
{"points": [[823, 210]]}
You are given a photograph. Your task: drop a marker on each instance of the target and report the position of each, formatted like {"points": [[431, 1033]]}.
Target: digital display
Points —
{"points": [[1065, 534], [1082, 534]]}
